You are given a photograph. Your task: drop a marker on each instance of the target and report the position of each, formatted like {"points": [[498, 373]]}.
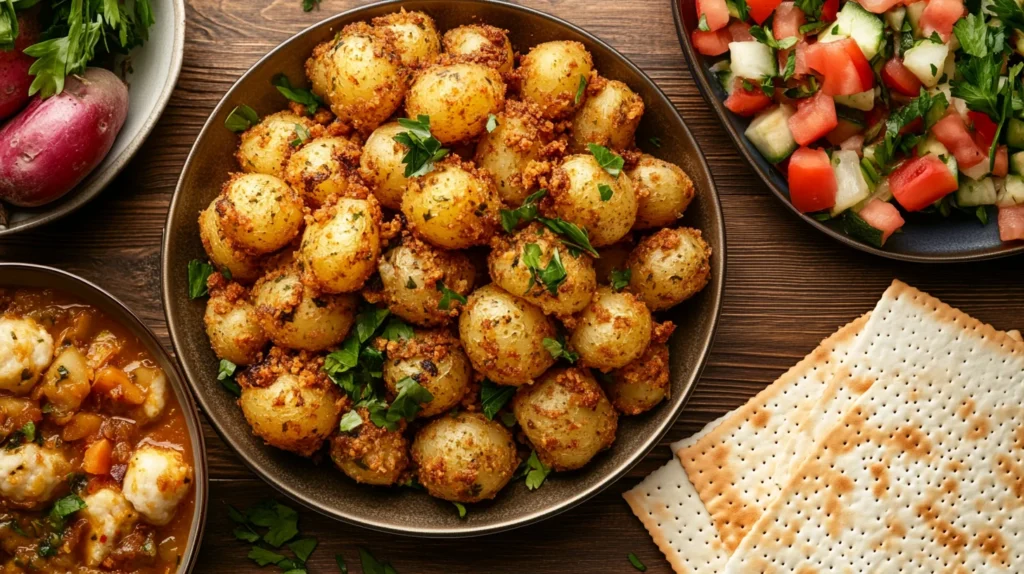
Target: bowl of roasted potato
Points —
{"points": [[443, 269]]}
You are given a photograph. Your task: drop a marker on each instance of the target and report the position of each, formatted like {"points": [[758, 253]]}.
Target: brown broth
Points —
{"points": [[68, 320]]}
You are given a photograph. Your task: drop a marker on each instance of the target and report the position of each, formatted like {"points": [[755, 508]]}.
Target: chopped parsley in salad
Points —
{"points": [[877, 108]]}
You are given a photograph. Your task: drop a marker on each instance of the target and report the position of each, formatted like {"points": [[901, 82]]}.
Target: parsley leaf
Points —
{"points": [[263, 557], [605, 190], [397, 330], [245, 534], [241, 118], [29, 431], [281, 521], [790, 66], [198, 273], [580, 90], [573, 236], [810, 8], [405, 406], [982, 214], [424, 148], [702, 24], [1006, 113], [620, 279], [461, 508], [979, 85], [1008, 12], [372, 566], [298, 95], [303, 548], [350, 422], [636, 562], [972, 32], [536, 472], [309, 5], [493, 397], [301, 136], [447, 295], [558, 349], [8, 25], [550, 276], [742, 10], [492, 123], [607, 159], [63, 508], [525, 213], [764, 35], [226, 376]]}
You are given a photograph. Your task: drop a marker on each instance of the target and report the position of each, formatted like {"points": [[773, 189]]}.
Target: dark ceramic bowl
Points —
{"points": [[322, 487], [925, 238], [40, 277], [151, 79]]}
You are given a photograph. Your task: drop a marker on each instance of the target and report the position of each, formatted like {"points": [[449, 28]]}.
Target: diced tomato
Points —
{"points": [[815, 116], [1002, 165], [746, 102], [715, 13], [843, 65], [878, 6], [853, 143], [812, 183], [899, 78], [883, 216], [953, 134], [829, 10], [787, 21], [921, 181], [740, 31], [916, 125], [1011, 222], [760, 10], [984, 129], [939, 16], [844, 130], [711, 43]]}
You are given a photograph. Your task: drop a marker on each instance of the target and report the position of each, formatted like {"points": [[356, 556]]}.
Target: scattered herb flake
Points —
{"points": [[447, 295], [198, 273], [493, 397], [241, 118], [559, 350], [636, 562], [580, 90], [605, 190], [424, 148], [300, 96], [492, 123], [607, 159], [461, 508], [536, 472], [620, 278], [350, 421]]}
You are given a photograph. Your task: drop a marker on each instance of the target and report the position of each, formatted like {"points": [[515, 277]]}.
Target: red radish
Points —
{"points": [[812, 183], [711, 43], [740, 31], [1011, 222], [815, 116], [883, 216], [714, 12], [939, 16], [787, 21], [47, 149], [921, 181], [845, 69], [746, 102], [14, 64], [953, 134], [899, 78], [760, 10]]}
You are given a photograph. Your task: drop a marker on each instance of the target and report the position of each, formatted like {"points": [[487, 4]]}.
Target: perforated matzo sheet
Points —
{"points": [[925, 473]]}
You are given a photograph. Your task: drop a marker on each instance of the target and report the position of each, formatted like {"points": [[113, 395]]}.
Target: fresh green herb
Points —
{"points": [[405, 406], [340, 561], [281, 522], [424, 148], [198, 273], [1009, 13], [580, 90], [764, 35], [309, 5], [410, 283], [899, 119], [492, 123], [982, 214], [372, 566], [525, 213], [303, 548], [241, 118], [702, 24], [979, 84], [536, 472], [605, 190], [656, 142], [300, 96], [493, 397], [620, 278], [226, 376], [461, 508], [1007, 111], [350, 421], [508, 419], [607, 159], [636, 562], [803, 90], [742, 10], [397, 330], [559, 350], [8, 25], [246, 534], [262, 556], [813, 27], [768, 85], [63, 508], [29, 431], [447, 295], [972, 31], [790, 66], [301, 136], [811, 8], [550, 276], [574, 237]]}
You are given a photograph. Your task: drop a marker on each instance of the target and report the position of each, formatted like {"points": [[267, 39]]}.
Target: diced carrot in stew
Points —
{"points": [[97, 459], [80, 426]]}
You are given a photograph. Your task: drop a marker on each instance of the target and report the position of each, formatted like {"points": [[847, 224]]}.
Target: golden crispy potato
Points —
{"points": [[642, 384], [504, 336], [608, 117], [412, 274], [550, 76], [669, 267], [381, 165], [458, 98], [340, 247], [435, 361], [663, 190], [289, 402], [453, 207], [296, 316], [612, 331], [587, 195], [323, 168], [509, 271], [514, 152], [482, 44], [465, 457], [259, 212], [232, 325], [225, 255], [613, 258], [566, 417], [415, 36], [359, 74], [370, 454], [266, 147]]}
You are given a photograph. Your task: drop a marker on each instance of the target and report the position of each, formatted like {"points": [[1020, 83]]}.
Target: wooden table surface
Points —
{"points": [[788, 286]]}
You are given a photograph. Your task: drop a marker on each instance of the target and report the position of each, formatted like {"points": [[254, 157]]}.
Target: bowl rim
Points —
{"points": [[698, 73], [187, 403], [693, 374], [79, 195]]}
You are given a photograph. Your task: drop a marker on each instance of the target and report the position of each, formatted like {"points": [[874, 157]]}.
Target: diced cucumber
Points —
{"points": [[1015, 133], [769, 132], [926, 60], [914, 12], [752, 60], [869, 151], [1017, 163], [978, 171], [851, 187], [938, 109], [894, 17], [930, 145], [882, 193], [863, 101], [734, 10], [723, 72], [974, 193], [855, 226], [1012, 192], [855, 22]]}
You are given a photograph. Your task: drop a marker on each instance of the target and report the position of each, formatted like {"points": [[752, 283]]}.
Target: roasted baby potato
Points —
{"points": [[323, 168], [612, 331], [513, 152], [553, 75], [458, 98], [413, 275], [609, 117], [642, 384], [371, 454], [663, 190], [415, 36], [435, 360], [297, 316], [482, 44], [381, 165], [669, 267], [340, 247], [586, 194], [267, 146], [225, 255], [233, 326], [259, 213], [453, 207]]}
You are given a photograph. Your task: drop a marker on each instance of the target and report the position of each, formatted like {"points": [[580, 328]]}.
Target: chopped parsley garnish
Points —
{"points": [[573, 236], [550, 276], [656, 142], [765, 36], [972, 32], [607, 159], [350, 421], [198, 273], [493, 397], [241, 118], [372, 566], [310, 5], [702, 24], [742, 10], [29, 431], [535, 471], [979, 84], [620, 278], [492, 123], [405, 406], [301, 136], [447, 296], [559, 350], [605, 190], [580, 90], [810, 8], [63, 508], [397, 330], [424, 148], [636, 562], [525, 213], [226, 376], [300, 96], [461, 508]]}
